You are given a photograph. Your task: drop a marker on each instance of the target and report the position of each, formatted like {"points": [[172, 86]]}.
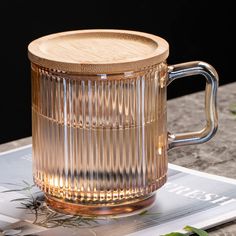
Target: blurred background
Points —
{"points": [[195, 30]]}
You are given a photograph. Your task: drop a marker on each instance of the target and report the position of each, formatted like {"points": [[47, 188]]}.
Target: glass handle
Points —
{"points": [[210, 74]]}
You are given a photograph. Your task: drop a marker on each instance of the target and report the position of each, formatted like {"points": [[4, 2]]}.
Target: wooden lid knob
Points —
{"points": [[98, 51]]}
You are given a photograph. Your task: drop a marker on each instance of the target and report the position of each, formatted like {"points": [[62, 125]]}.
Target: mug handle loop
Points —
{"points": [[210, 74]]}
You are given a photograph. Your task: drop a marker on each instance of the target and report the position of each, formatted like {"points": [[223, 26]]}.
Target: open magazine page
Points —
{"points": [[188, 198]]}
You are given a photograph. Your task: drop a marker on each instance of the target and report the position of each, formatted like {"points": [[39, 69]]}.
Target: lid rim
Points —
{"points": [[158, 55]]}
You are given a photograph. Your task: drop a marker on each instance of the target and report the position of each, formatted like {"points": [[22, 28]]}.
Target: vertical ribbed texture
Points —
{"points": [[99, 140]]}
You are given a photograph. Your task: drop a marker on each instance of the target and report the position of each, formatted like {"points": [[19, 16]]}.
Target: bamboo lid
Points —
{"points": [[98, 51]]}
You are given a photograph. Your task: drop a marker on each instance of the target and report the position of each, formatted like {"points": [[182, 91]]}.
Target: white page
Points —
{"points": [[189, 198]]}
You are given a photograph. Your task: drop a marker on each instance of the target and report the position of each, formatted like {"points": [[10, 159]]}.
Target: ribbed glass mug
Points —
{"points": [[100, 137]]}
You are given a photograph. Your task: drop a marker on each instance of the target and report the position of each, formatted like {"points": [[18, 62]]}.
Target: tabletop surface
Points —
{"points": [[218, 156]]}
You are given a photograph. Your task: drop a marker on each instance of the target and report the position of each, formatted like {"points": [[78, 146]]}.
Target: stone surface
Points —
{"points": [[15, 144], [218, 156]]}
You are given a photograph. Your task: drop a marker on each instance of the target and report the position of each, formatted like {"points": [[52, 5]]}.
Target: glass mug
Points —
{"points": [[99, 122]]}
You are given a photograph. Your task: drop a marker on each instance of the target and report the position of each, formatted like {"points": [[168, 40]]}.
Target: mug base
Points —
{"points": [[125, 209]]}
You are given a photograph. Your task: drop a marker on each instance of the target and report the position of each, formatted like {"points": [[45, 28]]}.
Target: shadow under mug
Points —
{"points": [[100, 140]]}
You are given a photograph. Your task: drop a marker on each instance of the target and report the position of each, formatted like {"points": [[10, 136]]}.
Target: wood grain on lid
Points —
{"points": [[98, 51]]}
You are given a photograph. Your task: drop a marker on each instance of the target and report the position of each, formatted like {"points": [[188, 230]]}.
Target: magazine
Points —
{"points": [[188, 198]]}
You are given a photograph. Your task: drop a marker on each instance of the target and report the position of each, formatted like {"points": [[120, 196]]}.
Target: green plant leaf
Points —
{"points": [[174, 234], [12, 190], [19, 185], [199, 232], [18, 190], [20, 199], [26, 183], [148, 213], [232, 109], [143, 213]]}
